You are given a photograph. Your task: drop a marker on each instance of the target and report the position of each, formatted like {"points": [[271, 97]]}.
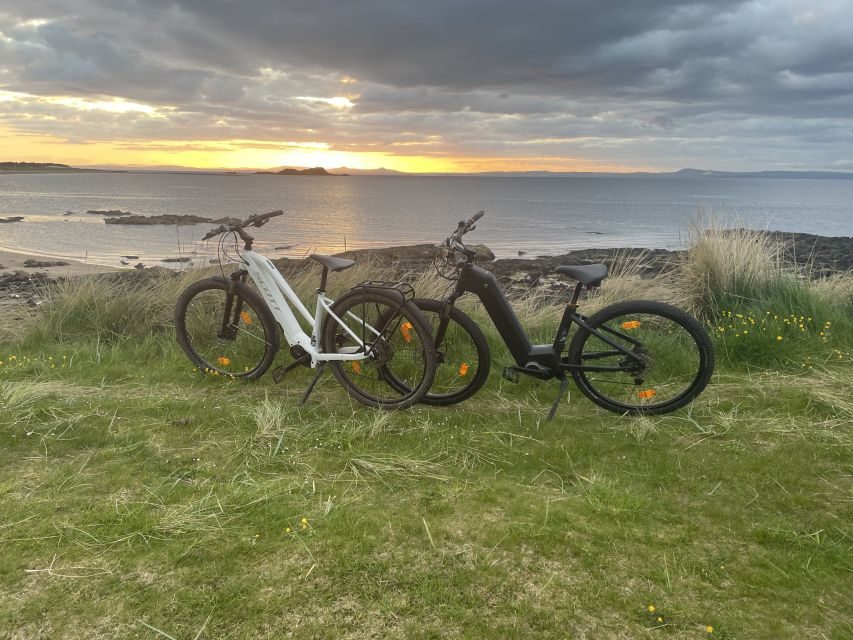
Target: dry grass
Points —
{"points": [[838, 287], [109, 307], [726, 262], [19, 400], [386, 467], [628, 280]]}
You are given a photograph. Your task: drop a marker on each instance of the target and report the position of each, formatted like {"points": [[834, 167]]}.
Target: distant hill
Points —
{"points": [[48, 167], [682, 173], [41, 167], [314, 171], [381, 171], [815, 175], [8, 166]]}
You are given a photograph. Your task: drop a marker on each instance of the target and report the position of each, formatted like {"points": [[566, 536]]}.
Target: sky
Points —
{"points": [[429, 86]]}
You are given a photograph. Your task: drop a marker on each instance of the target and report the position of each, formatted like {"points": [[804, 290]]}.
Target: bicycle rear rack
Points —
{"points": [[403, 288]]}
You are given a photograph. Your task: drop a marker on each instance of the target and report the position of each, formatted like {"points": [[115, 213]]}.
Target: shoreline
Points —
{"points": [[812, 255], [22, 273], [818, 255], [12, 260]]}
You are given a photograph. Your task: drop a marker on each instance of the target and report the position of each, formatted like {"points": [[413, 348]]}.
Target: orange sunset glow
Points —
{"points": [[287, 87]]}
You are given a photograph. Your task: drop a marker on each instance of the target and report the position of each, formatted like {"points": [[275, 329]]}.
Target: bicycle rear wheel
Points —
{"points": [[673, 362], [242, 345], [463, 358], [394, 335]]}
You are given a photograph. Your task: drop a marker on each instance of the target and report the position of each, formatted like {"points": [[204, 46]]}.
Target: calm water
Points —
{"points": [[534, 215]]}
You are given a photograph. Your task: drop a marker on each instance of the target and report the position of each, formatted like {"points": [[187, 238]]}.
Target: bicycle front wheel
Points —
{"points": [[393, 335], [671, 359], [241, 344]]}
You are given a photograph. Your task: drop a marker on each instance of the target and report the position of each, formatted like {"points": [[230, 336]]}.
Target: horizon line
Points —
{"points": [[333, 170]]}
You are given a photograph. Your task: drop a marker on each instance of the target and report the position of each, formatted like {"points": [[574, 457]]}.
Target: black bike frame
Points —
{"points": [[538, 360]]}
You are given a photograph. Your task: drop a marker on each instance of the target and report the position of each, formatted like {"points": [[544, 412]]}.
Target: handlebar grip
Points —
{"points": [[476, 217], [261, 219]]}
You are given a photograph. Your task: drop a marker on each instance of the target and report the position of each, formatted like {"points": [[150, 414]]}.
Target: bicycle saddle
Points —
{"points": [[332, 263], [590, 274]]}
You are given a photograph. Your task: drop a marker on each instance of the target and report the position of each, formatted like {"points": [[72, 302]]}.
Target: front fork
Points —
{"points": [[232, 311], [443, 322]]}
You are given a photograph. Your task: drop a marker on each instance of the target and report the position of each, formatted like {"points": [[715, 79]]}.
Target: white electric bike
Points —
{"points": [[371, 337]]}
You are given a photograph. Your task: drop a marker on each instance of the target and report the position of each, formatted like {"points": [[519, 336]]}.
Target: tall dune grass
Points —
{"points": [[761, 310], [722, 265]]}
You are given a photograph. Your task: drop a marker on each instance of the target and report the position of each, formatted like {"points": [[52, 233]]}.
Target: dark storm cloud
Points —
{"points": [[659, 82]]}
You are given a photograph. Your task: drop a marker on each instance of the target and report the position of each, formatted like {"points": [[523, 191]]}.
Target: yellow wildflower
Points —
{"points": [[651, 608]]}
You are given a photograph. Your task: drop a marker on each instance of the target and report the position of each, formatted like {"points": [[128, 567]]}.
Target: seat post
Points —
{"points": [[322, 288], [576, 294]]}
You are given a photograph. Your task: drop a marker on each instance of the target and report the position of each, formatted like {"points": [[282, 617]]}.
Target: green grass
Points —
{"points": [[142, 499]]}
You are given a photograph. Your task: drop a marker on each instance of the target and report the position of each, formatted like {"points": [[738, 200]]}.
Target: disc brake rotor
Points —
{"points": [[640, 366]]}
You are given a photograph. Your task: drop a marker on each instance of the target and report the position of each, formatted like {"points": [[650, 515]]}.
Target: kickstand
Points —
{"points": [[312, 383], [564, 384]]}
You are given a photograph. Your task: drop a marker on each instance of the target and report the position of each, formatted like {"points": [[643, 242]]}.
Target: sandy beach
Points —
{"points": [[14, 294], [15, 261]]}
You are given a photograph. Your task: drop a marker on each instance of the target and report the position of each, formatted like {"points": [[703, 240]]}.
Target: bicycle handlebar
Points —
{"points": [[457, 251], [255, 220], [464, 227]]}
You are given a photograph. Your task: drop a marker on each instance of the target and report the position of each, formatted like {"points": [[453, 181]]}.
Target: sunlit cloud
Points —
{"points": [[728, 84], [114, 105], [32, 23], [338, 102]]}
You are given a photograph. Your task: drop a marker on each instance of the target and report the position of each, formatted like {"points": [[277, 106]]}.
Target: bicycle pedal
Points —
{"points": [[279, 372], [510, 374]]}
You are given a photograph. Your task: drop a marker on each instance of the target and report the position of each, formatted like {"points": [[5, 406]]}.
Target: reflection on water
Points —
{"points": [[328, 214]]}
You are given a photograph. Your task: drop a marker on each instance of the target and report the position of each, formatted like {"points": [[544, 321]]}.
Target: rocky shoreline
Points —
{"points": [[129, 218], [816, 255]]}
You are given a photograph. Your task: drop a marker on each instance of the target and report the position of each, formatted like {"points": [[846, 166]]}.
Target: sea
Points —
{"points": [[526, 216]]}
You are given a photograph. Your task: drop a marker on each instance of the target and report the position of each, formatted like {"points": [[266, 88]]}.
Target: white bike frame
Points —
{"points": [[277, 293]]}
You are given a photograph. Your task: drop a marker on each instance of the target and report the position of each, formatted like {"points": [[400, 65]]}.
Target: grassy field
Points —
{"points": [[142, 499]]}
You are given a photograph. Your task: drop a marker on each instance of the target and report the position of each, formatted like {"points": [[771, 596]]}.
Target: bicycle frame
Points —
{"points": [[539, 360], [280, 297]]}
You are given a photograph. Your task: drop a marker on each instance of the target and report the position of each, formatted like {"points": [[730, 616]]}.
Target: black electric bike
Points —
{"points": [[634, 357]]}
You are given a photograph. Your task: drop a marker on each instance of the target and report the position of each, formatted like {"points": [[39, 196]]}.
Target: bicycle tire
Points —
{"points": [[198, 319], [463, 358], [405, 343], [678, 354]]}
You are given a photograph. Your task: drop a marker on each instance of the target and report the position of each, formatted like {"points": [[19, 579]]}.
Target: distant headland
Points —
{"points": [[314, 171], [41, 167], [55, 167]]}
